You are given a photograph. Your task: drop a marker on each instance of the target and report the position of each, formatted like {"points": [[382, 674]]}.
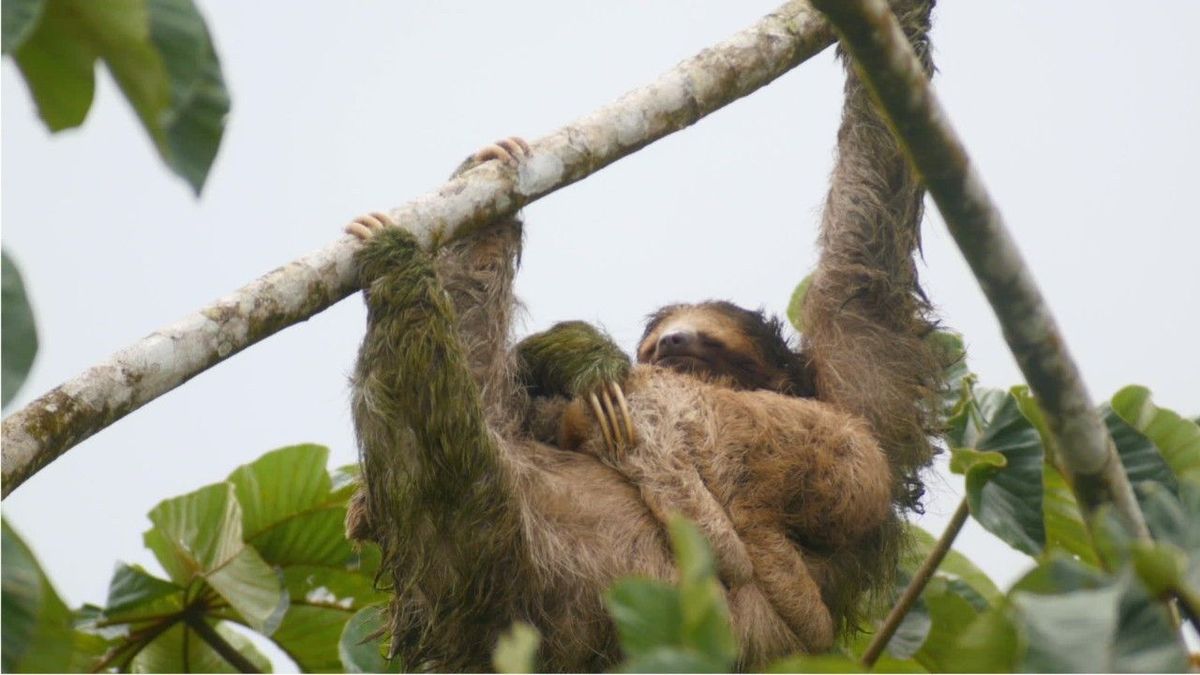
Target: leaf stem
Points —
{"points": [[913, 591], [220, 645]]}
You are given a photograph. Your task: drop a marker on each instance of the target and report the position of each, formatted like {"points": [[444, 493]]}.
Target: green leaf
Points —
{"points": [[952, 605], [134, 594], [294, 519], [1139, 456], [705, 615], [162, 58], [181, 650], [647, 614], [1147, 640], [57, 63], [17, 329], [1064, 608], [323, 600], [193, 124], [1061, 516], [989, 644], [1007, 500], [668, 629], [1178, 439], [516, 651], [199, 535], [1063, 630], [361, 645], [288, 513], [38, 632], [18, 21], [795, 308], [962, 460]]}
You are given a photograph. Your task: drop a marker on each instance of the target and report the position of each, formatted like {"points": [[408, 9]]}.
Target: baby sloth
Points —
{"points": [[784, 484]]}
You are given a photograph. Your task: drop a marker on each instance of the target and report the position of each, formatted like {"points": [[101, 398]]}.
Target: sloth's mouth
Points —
{"points": [[684, 363]]}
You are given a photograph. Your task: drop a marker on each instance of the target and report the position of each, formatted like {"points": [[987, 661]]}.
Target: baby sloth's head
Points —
{"points": [[722, 343]]}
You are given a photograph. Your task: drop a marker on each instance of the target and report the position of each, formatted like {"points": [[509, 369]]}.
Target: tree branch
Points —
{"points": [[885, 61], [46, 428]]}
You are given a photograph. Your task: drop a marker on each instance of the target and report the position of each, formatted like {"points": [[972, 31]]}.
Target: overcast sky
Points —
{"points": [[1080, 115]]}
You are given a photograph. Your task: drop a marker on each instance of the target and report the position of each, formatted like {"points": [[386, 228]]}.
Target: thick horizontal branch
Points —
{"points": [[885, 61], [39, 433]]}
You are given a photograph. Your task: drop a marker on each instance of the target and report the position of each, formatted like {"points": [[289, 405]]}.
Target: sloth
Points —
{"points": [[482, 521], [782, 479]]}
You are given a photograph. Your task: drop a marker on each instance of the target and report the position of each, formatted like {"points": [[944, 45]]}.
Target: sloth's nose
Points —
{"points": [[675, 342]]}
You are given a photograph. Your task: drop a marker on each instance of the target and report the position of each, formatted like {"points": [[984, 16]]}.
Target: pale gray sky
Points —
{"points": [[1080, 115]]}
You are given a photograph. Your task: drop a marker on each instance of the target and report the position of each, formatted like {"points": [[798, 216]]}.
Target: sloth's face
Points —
{"points": [[717, 342]]}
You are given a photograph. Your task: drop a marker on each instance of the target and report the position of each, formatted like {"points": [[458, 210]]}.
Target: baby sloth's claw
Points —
{"points": [[366, 227]]}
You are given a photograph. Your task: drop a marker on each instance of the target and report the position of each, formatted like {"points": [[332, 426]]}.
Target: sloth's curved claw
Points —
{"points": [[626, 418], [609, 442], [509, 150], [617, 448], [366, 227]]}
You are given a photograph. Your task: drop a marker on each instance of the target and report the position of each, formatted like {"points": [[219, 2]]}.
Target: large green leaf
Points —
{"points": [[294, 519], [288, 512], [38, 634], [1177, 438], [199, 536], [158, 51], [17, 329]]}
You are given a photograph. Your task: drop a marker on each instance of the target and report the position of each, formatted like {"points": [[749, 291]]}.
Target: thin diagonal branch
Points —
{"points": [[884, 59], [39, 433]]}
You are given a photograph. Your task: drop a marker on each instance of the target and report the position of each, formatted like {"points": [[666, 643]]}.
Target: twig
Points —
{"points": [[885, 61], [39, 433], [918, 583]]}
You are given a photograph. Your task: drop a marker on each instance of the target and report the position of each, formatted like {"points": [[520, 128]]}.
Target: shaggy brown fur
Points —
{"points": [[771, 480], [480, 524], [865, 360]]}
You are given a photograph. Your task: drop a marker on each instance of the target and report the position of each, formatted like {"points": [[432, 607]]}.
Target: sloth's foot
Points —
{"points": [[509, 150], [366, 227]]}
